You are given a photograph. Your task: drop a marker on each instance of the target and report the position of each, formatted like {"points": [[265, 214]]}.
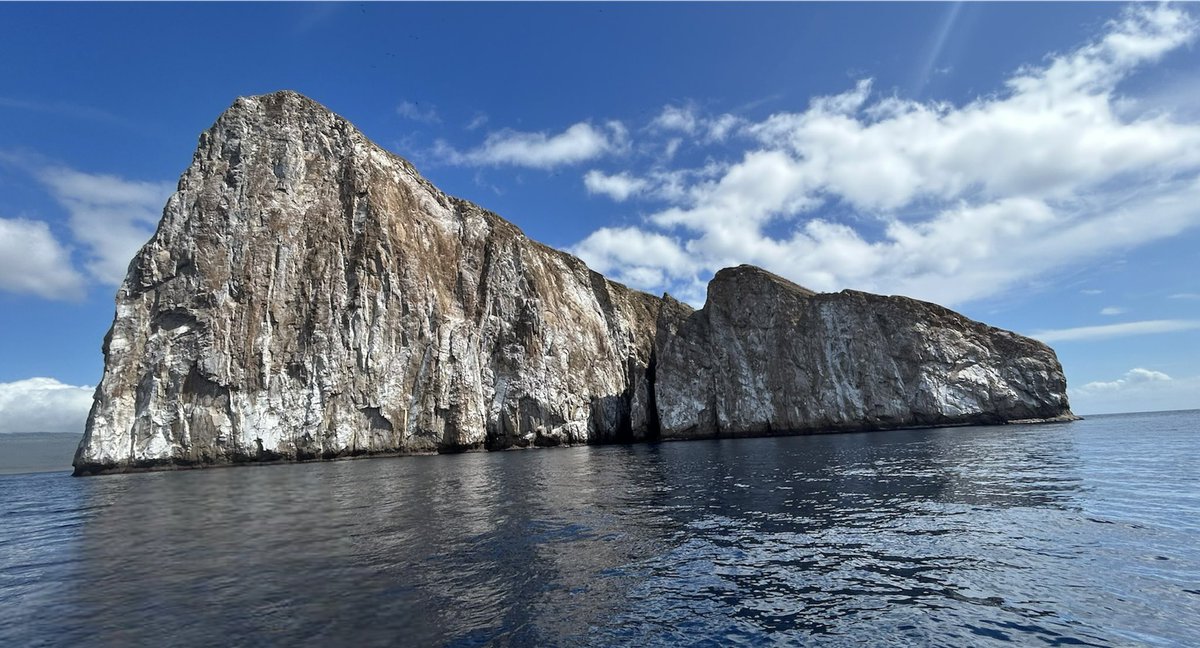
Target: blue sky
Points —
{"points": [[1035, 166]]}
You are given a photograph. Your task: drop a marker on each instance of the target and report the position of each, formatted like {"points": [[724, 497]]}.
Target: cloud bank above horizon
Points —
{"points": [[43, 405], [1139, 389]]}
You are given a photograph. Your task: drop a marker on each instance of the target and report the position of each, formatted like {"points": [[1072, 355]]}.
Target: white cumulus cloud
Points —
{"points": [[676, 118], [43, 405], [1135, 376], [619, 186], [111, 217], [33, 262], [634, 256], [578, 143], [941, 201], [722, 126], [1139, 389], [687, 121]]}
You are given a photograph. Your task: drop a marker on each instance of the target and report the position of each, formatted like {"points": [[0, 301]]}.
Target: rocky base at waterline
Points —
{"points": [[309, 295]]}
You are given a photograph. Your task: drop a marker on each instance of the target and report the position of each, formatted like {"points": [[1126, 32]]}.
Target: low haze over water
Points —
{"points": [[36, 452], [1083, 533]]}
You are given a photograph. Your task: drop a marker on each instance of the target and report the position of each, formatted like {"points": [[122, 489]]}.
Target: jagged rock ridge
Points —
{"points": [[309, 295]]}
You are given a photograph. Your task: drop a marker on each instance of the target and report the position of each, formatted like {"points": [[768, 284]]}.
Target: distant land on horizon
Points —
{"points": [[30, 452]]}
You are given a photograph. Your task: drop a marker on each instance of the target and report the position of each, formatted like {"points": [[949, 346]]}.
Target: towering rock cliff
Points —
{"points": [[309, 295]]}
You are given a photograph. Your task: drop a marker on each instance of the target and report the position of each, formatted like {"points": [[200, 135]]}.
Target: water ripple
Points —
{"points": [[1081, 534]]}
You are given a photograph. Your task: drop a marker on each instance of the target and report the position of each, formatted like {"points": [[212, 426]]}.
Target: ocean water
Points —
{"points": [[1074, 534], [36, 452]]}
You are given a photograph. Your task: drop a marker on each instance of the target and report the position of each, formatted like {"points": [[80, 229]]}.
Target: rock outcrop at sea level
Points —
{"points": [[309, 295]]}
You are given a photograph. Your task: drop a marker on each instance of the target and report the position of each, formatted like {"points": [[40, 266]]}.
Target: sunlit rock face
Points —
{"points": [[308, 295], [765, 356]]}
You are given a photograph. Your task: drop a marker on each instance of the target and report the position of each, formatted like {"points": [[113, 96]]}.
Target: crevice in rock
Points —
{"points": [[173, 318], [653, 427], [375, 419]]}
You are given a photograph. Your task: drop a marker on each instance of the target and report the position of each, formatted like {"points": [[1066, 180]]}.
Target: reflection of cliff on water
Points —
{"points": [[501, 543], [1049, 534], [519, 543], [835, 479], [799, 532]]}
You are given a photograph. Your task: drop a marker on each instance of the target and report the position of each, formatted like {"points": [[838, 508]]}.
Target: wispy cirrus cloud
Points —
{"points": [[413, 110], [477, 122], [937, 44], [1106, 331], [67, 109]]}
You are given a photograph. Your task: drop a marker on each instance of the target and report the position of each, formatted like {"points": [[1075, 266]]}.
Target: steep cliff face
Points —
{"points": [[309, 295], [767, 356]]}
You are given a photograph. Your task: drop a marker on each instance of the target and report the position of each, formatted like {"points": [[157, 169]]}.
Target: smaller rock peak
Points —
{"points": [[743, 276]]}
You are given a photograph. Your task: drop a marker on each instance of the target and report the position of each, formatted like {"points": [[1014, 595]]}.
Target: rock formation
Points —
{"points": [[309, 295], [765, 356]]}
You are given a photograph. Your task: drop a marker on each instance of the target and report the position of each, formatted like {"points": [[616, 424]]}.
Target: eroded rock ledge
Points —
{"points": [[309, 295]]}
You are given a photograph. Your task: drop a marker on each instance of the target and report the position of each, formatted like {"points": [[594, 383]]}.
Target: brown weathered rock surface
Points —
{"points": [[309, 295]]}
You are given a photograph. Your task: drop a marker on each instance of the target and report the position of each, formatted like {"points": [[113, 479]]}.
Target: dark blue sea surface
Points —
{"points": [[1074, 534]]}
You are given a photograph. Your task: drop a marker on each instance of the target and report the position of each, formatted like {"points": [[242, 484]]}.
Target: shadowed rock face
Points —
{"points": [[309, 295], [765, 356]]}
